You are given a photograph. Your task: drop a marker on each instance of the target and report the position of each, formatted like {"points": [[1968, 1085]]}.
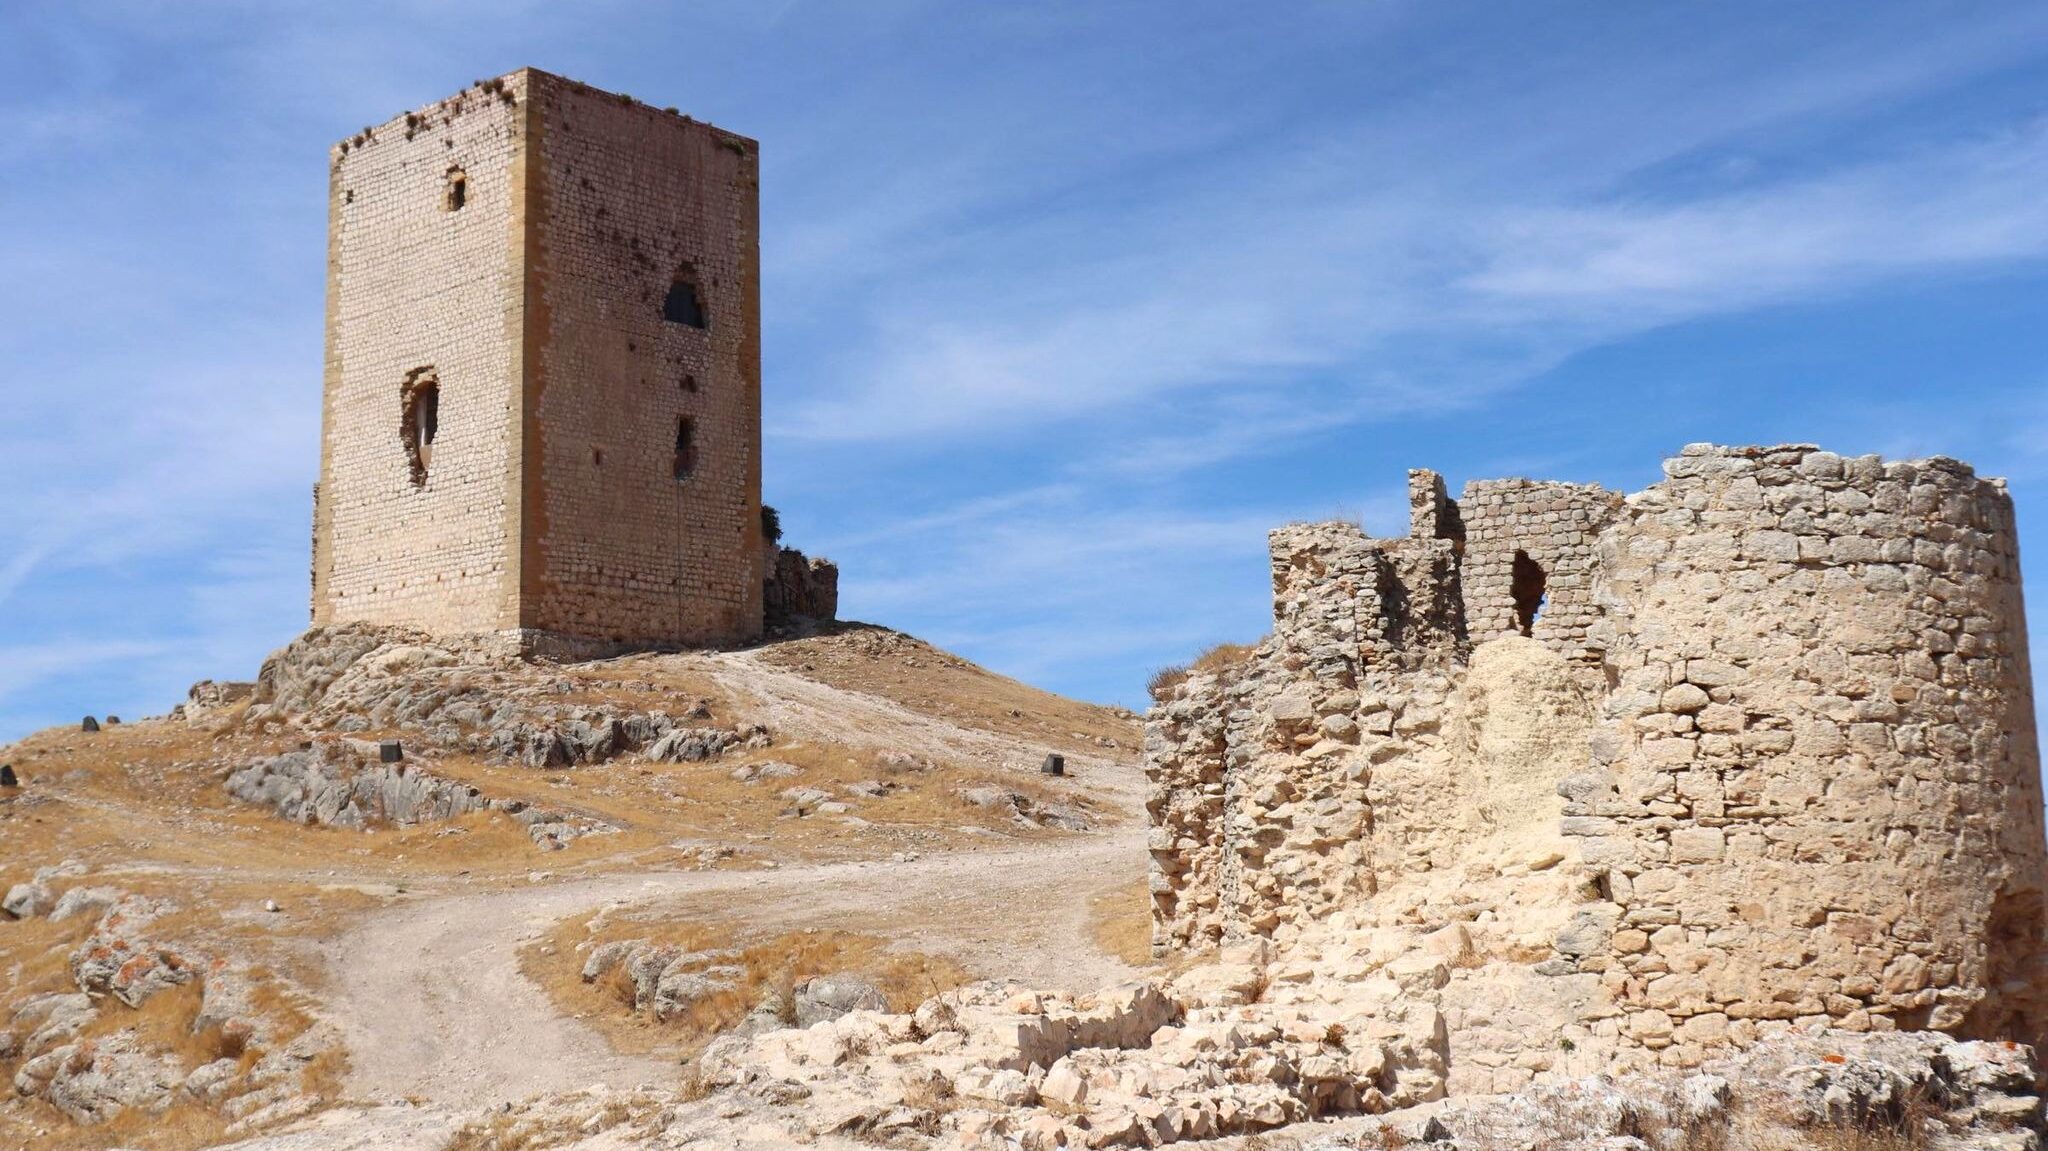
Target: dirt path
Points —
{"points": [[794, 705], [430, 1000]]}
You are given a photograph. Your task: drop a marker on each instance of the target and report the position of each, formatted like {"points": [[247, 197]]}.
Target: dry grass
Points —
{"points": [[770, 965], [1215, 660], [878, 661], [185, 1127], [1120, 919]]}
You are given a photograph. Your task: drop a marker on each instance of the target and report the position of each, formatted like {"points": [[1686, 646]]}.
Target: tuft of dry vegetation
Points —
{"points": [[537, 1128], [1215, 660]]}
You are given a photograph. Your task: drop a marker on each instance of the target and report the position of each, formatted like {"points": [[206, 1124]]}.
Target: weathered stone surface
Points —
{"points": [[1789, 699], [336, 785], [831, 996]]}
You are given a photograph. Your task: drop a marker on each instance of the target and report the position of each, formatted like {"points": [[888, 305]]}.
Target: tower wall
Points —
{"points": [[1818, 793], [1791, 725], [1555, 526], [414, 284], [628, 198]]}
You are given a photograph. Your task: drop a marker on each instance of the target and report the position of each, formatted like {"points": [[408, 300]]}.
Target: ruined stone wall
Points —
{"points": [[800, 587], [414, 283], [1799, 784], [1554, 525], [629, 542], [1264, 776], [1816, 792]]}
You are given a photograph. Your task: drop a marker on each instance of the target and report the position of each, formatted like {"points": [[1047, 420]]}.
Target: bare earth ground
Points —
{"points": [[444, 1015], [406, 943]]}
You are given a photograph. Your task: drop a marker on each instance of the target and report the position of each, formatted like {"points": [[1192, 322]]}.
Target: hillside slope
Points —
{"points": [[315, 926]]}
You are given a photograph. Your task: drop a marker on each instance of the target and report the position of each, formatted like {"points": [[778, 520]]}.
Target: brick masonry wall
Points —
{"points": [[551, 512], [629, 197], [1817, 792], [412, 285]]}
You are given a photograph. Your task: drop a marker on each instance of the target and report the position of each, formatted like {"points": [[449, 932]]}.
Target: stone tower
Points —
{"points": [[542, 405]]}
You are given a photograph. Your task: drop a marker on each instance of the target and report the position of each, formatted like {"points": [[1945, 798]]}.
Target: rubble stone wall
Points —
{"points": [[1782, 730], [1816, 790], [1555, 526]]}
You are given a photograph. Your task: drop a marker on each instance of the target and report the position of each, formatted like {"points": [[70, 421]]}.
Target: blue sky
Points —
{"points": [[1066, 303]]}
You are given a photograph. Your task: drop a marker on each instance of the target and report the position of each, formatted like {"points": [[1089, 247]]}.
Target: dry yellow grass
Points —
{"points": [[1218, 658], [1120, 918], [878, 661], [769, 964]]}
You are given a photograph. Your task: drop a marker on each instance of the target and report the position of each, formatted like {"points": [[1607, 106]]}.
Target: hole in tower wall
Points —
{"points": [[419, 420], [455, 191], [1526, 582], [686, 448], [684, 306]]}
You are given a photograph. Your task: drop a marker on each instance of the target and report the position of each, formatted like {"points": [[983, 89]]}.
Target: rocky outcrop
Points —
{"points": [[334, 786], [464, 697], [70, 1051]]}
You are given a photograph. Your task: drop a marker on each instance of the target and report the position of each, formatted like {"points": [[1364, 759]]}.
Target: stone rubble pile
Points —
{"points": [[1136, 1065]]}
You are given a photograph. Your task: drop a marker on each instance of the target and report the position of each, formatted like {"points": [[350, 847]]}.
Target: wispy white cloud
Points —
{"points": [[1939, 208], [25, 665]]}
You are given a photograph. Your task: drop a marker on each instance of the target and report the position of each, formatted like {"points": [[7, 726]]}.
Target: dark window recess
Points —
{"points": [[686, 447], [1526, 583], [456, 192], [689, 383], [683, 306], [419, 419]]}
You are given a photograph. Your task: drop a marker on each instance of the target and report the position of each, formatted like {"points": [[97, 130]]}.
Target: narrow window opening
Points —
{"points": [[689, 383], [419, 419], [1526, 583], [455, 193], [684, 306], [686, 448], [597, 457]]}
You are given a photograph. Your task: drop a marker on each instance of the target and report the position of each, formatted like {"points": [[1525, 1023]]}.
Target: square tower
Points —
{"points": [[542, 402]]}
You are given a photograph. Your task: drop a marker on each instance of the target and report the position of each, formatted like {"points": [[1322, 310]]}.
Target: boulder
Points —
{"points": [[831, 996], [26, 900]]}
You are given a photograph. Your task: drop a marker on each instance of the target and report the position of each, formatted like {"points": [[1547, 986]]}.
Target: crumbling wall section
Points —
{"points": [[1817, 794], [1263, 779], [1555, 527], [800, 587], [1784, 697]]}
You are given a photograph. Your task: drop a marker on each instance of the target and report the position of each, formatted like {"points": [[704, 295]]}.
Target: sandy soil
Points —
{"points": [[434, 1008]]}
